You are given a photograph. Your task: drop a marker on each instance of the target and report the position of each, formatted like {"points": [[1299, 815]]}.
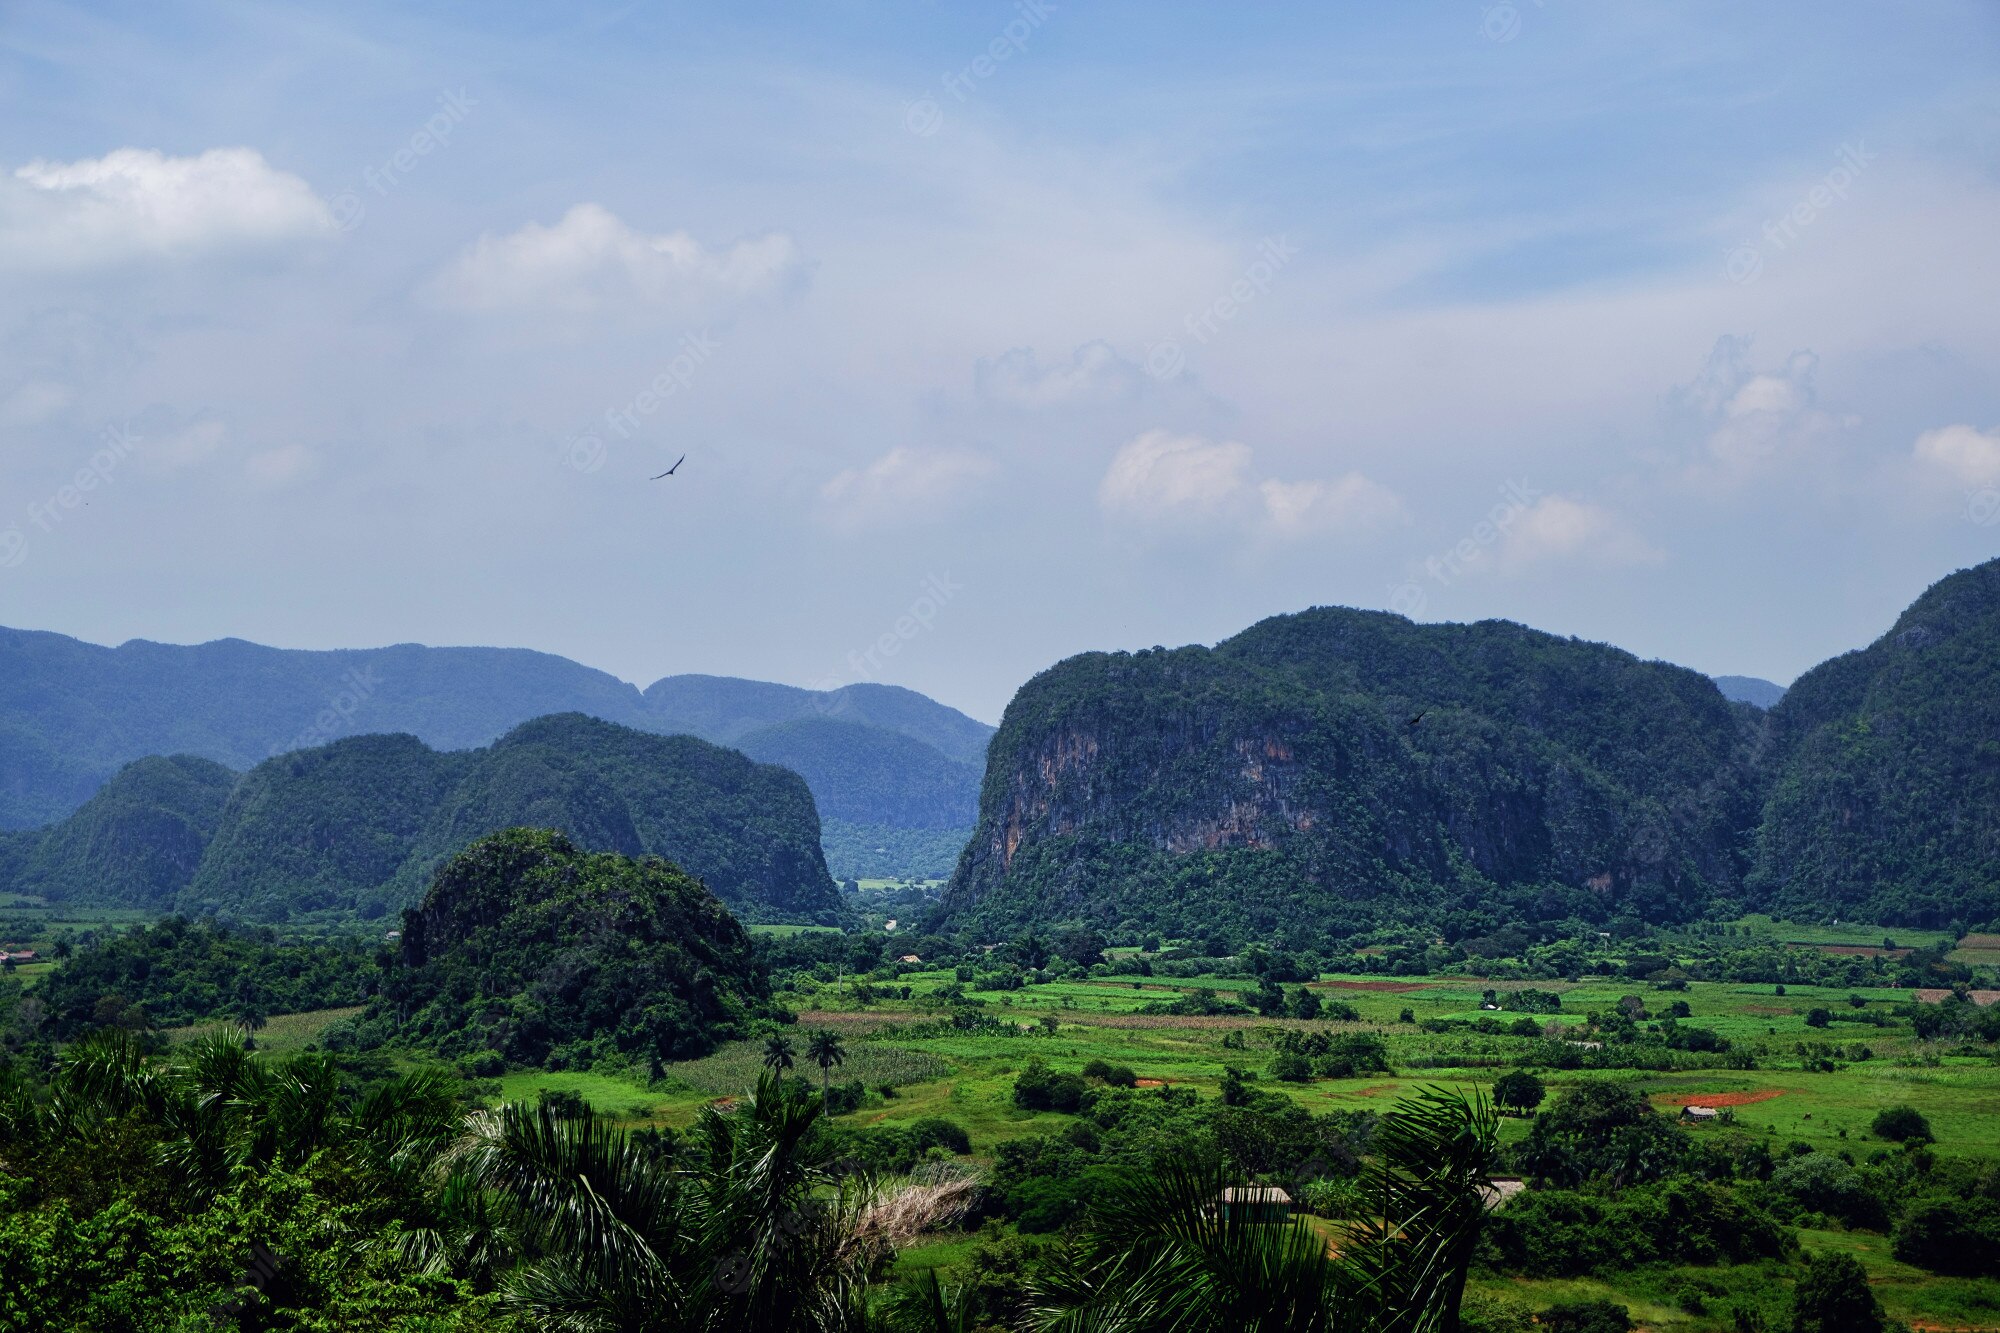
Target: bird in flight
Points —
{"points": [[675, 468], [1418, 718]]}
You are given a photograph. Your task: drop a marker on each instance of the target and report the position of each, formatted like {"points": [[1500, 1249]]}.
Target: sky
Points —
{"points": [[993, 333]]}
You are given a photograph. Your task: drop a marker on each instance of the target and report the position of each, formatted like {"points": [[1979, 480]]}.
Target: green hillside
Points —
{"points": [[1885, 804], [1326, 771], [137, 843], [527, 945]]}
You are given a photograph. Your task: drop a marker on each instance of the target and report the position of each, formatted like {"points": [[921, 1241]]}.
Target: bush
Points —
{"points": [[937, 1132], [1952, 1237], [1291, 1067], [1586, 1317], [1901, 1124], [1039, 1088], [1117, 1076], [1518, 1090], [1834, 1297]]}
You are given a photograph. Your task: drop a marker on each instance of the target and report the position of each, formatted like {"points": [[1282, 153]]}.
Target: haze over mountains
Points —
{"points": [[893, 768]]}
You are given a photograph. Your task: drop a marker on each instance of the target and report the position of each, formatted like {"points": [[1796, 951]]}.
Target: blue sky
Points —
{"points": [[993, 332]]}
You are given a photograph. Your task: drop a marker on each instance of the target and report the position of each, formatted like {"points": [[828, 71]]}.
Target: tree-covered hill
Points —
{"points": [[1323, 771], [748, 830], [356, 828], [725, 710], [527, 945], [1752, 690], [137, 843], [1885, 799]]}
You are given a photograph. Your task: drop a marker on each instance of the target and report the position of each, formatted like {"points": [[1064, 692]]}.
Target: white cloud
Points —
{"points": [[281, 467], [1351, 504], [195, 443], [1182, 480], [904, 484], [1750, 421], [1967, 455], [1163, 475], [34, 402], [591, 260], [1093, 375], [137, 203], [1558, 529]]}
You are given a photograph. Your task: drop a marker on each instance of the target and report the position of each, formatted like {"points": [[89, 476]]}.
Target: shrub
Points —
{"points": [[1039, 1088], [1901, 1124], [1291, 1067], [1834, 1297], [1586, 1317], [1951, 1237], [937, 1132]]}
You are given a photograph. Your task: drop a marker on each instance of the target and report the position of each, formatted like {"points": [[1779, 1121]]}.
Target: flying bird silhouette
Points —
{"points": [[1418, 718], [675, 468]]}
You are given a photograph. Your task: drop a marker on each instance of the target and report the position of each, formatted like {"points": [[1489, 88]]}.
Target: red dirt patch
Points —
{"points": [[1152, 1083], [1930, 996], [1392, 987], [1861, 950], [1721, 1098]]}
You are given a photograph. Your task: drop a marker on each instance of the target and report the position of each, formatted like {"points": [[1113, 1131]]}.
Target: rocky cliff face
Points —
{"points": [[1337, 767]]}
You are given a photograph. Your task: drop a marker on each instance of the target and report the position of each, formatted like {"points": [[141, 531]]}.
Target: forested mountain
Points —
{"points": [[358, 826], [1752, 690], [528, 945], [72, 714], [1326, 770], [136, 843], [1885, 799]]}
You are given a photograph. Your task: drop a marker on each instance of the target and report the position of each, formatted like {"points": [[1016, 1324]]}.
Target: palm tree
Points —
{"points": [[825, 1050], [750, 1228], [778, 1055], [1159, 1253]]}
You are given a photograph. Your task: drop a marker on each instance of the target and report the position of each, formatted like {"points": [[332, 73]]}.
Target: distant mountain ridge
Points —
{"points": [[1752, 690], [72, 714], [358, 827]]}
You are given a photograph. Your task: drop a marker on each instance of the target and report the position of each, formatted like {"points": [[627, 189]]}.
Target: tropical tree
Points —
{"points": [[1519, 1091], [751, 1228], [778, 1055], [825, 1050], [1160, 1253]]}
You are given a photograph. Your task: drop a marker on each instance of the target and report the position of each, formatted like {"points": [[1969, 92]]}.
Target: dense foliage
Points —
{"points": [[547, 954], [1885, 804], [180, 972], [356, 828], [137, 843], [1279, 782]]}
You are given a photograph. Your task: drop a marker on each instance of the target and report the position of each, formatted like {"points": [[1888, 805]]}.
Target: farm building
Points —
{"points": [[1699, 1114], [1256, 1203]]}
